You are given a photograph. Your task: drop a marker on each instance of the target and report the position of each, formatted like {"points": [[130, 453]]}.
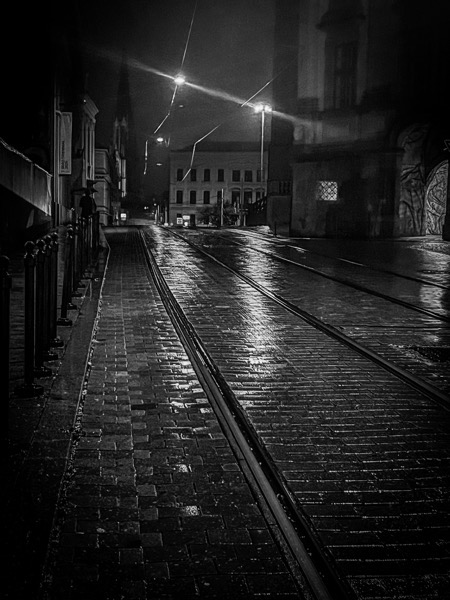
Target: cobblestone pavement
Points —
{"points": [[154, 504], [366, 456], [398, 334]]}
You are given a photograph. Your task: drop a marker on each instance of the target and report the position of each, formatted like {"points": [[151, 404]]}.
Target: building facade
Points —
{"points": [[368, 126], [226, 175], [47, 128]]}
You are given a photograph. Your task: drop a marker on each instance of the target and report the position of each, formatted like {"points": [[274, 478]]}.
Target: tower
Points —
{"points": [[124, 146]]}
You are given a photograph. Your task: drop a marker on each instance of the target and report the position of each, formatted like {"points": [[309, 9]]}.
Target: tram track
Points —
{"points": [[302, 533], [350, 284], [303, 546], [255, 235], [414, 382]]}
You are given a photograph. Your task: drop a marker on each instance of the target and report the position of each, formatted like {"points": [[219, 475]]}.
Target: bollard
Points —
{"points": [[76, 276], [5, 304], [95, 234], [89, 241], [48, 292], [41, 310], [64, 321], [79, 254], [29, 388], [84, 262], [55, 341]]}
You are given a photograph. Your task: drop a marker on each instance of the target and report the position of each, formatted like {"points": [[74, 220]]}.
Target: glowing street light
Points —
{"points": [[263, 109], [179, 79]]}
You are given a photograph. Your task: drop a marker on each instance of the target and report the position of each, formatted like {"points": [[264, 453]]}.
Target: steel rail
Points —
{"points": [[346, 260], [416, 383], [303, 546], [351, 284]]}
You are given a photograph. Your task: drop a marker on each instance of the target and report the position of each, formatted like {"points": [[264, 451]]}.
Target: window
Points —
{"points": [[344, 75], [248, 176], [326, 191], [247, 197], [235, 197], [192, 197], [179, 196], [258, 175], [207, 175], [219, 195], [193, 174], [179, 174], [220, 175], [236, 176], [206, 197]]}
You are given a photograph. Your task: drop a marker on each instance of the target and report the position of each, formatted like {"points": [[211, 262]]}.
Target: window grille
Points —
{"points": [[326, 191]]}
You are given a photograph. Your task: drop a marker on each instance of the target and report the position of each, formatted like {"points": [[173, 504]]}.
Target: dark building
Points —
{"points": [[47, 123], [360, 127]]}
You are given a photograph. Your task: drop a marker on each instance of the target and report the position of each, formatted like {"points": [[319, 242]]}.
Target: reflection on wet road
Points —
{"points": [[365, 455]]}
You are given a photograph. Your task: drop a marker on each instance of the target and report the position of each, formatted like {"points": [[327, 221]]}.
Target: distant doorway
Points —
{"points": [[436, 199]]}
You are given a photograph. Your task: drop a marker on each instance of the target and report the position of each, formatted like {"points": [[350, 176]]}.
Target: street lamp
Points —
{"points": [[263, 109], [179, 79]]}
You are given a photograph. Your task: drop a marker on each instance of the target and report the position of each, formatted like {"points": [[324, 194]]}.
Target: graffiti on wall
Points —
{"points": [[436, 199], [411, 210]]}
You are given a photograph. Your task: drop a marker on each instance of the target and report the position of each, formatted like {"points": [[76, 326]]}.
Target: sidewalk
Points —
{"points": [[39, 429]]}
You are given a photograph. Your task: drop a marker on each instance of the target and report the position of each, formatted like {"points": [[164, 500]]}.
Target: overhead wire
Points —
{"points": [[181, 69], [244, 103], [175, 89]]}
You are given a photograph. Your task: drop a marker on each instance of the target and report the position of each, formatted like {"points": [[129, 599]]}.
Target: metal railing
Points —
{"points": [[44, 298]]}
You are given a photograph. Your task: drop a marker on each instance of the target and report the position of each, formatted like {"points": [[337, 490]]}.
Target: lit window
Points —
{"points": [[326, 191]]}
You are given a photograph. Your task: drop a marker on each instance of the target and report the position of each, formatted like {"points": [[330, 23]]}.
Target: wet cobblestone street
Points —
{"points": [[156, 502]]}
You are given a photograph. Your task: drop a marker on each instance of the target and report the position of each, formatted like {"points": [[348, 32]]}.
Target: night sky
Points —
{"points": [[229, 49]]}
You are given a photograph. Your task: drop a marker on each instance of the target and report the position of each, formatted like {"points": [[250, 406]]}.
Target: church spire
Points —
{"points": [[124, 133], [123, 92]]}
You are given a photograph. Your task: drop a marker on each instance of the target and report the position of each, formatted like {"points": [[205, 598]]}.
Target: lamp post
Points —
{"points": [[263, 109]]}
